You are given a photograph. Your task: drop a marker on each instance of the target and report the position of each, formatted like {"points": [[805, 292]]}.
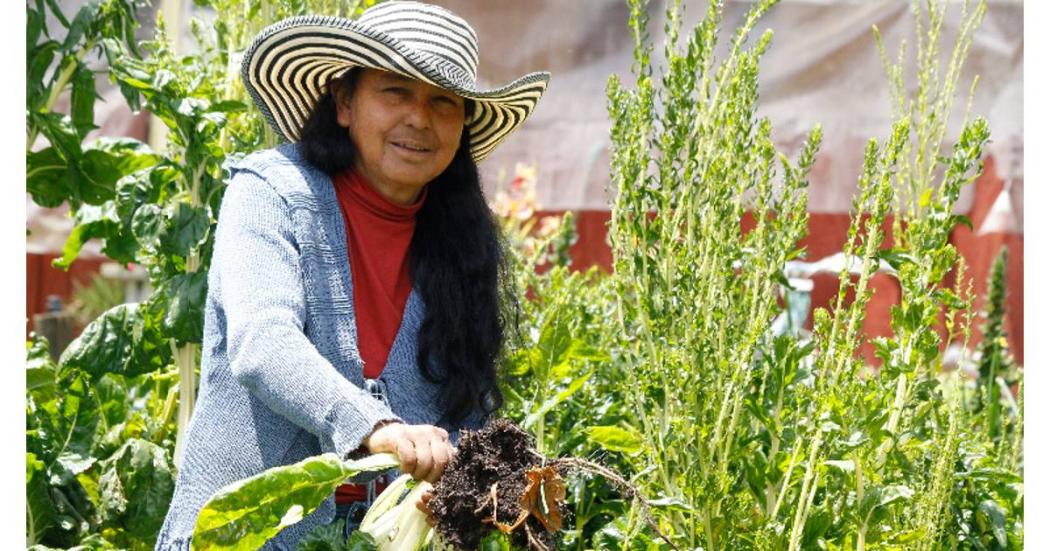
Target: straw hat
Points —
{"points": [[288, 65]]}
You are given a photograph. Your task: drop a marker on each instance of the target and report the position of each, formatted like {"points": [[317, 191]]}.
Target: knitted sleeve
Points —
{"points": [[261, 288]]}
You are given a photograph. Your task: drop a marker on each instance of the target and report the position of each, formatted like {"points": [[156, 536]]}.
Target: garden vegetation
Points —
{"points": [[734, 432]]}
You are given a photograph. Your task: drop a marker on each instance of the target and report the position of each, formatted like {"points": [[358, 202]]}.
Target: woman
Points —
{"points": [[354, 301]]}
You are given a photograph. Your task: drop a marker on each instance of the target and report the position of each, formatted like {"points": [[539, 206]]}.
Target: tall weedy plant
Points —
{"points": [[691, 161], [756, 441]]}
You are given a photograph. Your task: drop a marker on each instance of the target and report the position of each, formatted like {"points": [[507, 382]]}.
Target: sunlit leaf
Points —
{"points": [[246, 514], [616, 439]]}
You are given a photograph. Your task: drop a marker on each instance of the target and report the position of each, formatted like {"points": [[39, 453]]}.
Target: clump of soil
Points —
{"points": [[498, 481], [483, 488]]}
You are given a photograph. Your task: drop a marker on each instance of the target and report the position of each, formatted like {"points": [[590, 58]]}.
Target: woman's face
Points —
{"points": [[406, 131]]}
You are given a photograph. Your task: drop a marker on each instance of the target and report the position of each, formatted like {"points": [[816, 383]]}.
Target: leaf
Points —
{"points": [[91, 222], [185, 226], [81, 24], [495, 541], [38, 378], [38, 59], [961, 219], [186, 293], [229, 106], [616, 439], [40, 512], [35, 22], [671, 503], [82, 104], [361, 541], [58, 13], [247, 513], [147, 224], [40, 369], [112, 393], [136, 487], [989, 512], [114, 342], [579, 350], [880, 496], [76, 463], [141, 188], [845, 467], [326, 537], [558, 398], [108, 160], [544, 496], [59, 130], [896, 258], [45, 171]]}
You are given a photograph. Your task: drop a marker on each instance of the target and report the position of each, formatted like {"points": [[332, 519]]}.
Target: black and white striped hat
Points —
{"points": [[288, 65]]}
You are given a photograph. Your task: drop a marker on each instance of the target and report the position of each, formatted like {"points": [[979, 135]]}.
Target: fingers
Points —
{"points": [[424, 505], [423, 450], [441, 454], [406, 453]]}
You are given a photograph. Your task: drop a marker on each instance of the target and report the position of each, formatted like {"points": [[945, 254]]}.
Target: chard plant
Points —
{"points": [[105, 424]]}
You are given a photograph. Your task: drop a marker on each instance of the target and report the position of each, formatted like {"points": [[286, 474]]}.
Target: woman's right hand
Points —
{"points": [[424, 450]]}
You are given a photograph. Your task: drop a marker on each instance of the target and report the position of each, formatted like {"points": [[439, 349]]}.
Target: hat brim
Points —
{"points": [[288, 65]]}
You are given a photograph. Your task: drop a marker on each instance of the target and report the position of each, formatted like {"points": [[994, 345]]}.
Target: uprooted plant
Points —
{"points": [[497, 486]]}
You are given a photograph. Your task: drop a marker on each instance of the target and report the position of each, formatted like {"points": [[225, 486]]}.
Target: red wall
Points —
{"points": [[43, 280]]}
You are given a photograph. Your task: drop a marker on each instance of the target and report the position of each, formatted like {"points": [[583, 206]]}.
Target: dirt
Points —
{"points": [[464, 504]]}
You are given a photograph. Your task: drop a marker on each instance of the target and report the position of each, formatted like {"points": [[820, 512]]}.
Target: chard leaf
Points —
{"points": [[91, 222], [185, 226], [45, 177], [187, 293], [135, 489], [327, 537], [247, 513], [60, 132], [616, 439], [40, 370], [40, 512], [125, 340], [108, 160]]}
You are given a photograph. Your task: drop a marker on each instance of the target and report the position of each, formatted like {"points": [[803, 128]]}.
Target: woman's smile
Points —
{"points": [[405, 131]]}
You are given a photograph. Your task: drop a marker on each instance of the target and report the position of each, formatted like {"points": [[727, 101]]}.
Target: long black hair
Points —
{"points": [[458, 263]]}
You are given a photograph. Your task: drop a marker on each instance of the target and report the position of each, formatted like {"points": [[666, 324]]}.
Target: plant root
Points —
{"points": [[619, 482]]}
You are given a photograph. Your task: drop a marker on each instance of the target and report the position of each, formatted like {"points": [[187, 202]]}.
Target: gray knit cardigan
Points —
{"points": [[281, 376]]}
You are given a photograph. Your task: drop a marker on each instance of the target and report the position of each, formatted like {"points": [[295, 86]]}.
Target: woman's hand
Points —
{"points": [[424, 450]]}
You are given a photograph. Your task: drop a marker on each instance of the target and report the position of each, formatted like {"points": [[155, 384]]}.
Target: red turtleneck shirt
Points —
{"points": [[379, 234]]}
